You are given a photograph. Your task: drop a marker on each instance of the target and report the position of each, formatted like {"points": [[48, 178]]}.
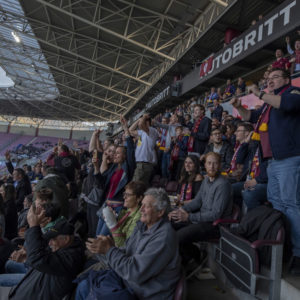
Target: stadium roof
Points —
{"points": [[92, 60]]}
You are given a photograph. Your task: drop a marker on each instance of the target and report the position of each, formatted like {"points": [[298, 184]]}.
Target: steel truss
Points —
{"points": [[103, 55]]}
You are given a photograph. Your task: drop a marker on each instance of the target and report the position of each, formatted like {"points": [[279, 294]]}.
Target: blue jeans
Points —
{"points": [[82, 290], [253, 197], [13, 267], [10, 279], [165, 164], [102, 229], [284, 193]]}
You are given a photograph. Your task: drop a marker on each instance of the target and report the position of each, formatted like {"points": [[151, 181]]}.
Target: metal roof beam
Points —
{"points": [[120, 36]]}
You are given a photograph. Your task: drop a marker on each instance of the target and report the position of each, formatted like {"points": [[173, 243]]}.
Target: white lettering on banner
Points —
{"points": [[237, 48], [228, 53], [249, 40], [269, 23], [159, 97], [286, 12], [260, 32]]}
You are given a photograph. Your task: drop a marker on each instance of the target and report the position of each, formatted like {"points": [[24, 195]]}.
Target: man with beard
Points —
{"points": [[194, 220], [278, 130]]}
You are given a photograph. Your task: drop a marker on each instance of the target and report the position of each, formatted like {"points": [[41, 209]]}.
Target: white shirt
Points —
{"points": [[145, 148]]}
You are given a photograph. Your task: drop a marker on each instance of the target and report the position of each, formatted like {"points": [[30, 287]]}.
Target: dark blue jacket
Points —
{"points": [[217, 113], [262, 177], [284, 124], [182, 146], [202, 135]]}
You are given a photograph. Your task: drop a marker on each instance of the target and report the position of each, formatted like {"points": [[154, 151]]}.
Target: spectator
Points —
{"points": [[52, 271], [37, 174], [190, 180], [280, 62], [194, 220], [217, 110], [161, 143], [170, 136], [241, 84], [9, 211], [22, 218], [178, 153], [145, 155], [277, 128], [223, 148], [295, 59], [115, 178], [252, 189], [66, 163], [149, 264], [201, 131], [187, 121], [212, 96], [242, 134], [21, 182], [229, 90]]}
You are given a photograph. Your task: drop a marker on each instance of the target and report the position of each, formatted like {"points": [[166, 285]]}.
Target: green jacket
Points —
{"points": [[125, 226]]}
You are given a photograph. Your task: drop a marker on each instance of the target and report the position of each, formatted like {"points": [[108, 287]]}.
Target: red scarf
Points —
{"points": [[186, 192], [162, 140], [190, 144], [261, 132], [255, 170], [233, 164]]}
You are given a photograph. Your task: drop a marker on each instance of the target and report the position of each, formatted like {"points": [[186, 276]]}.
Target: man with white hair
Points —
{"points": [[148, 267]]}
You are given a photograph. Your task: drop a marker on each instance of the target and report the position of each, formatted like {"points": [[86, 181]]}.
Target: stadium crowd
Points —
{"points": [[101, 224]]}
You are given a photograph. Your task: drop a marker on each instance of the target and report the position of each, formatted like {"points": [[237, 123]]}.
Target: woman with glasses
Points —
{"points": [[122, 226]]}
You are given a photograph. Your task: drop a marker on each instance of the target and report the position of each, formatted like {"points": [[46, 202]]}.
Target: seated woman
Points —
{"points": [[190, 180], [115, 177], [122, 226]]}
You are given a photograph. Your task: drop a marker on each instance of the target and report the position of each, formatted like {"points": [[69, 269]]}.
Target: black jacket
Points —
{"points": [[202, 135], [11, 219], [51, 274], [67, 165], [23, 188]]}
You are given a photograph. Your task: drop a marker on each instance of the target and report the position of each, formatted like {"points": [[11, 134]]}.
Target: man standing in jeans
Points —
{"points": [[278, 130], [145, 154]]}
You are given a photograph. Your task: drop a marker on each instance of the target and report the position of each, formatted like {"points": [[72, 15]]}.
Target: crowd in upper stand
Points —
{"points": [[100, 223]]}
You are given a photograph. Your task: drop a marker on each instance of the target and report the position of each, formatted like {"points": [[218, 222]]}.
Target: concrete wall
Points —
{"points": [[3, 128], [22, 130], [82, 135]]}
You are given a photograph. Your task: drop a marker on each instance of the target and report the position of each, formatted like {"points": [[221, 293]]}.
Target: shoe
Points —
{"points": [[295, 266]]}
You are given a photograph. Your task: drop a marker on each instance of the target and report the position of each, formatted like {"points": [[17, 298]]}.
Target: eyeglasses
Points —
{"points": [[127, 195], [217, 133], [274, 77]]}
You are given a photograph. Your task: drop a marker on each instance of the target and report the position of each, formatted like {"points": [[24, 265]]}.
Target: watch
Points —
{"points": [[261, 95]]}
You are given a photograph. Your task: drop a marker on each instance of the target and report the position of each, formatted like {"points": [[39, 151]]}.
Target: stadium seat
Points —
{"points": [[203, 244], [242, 265]]}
